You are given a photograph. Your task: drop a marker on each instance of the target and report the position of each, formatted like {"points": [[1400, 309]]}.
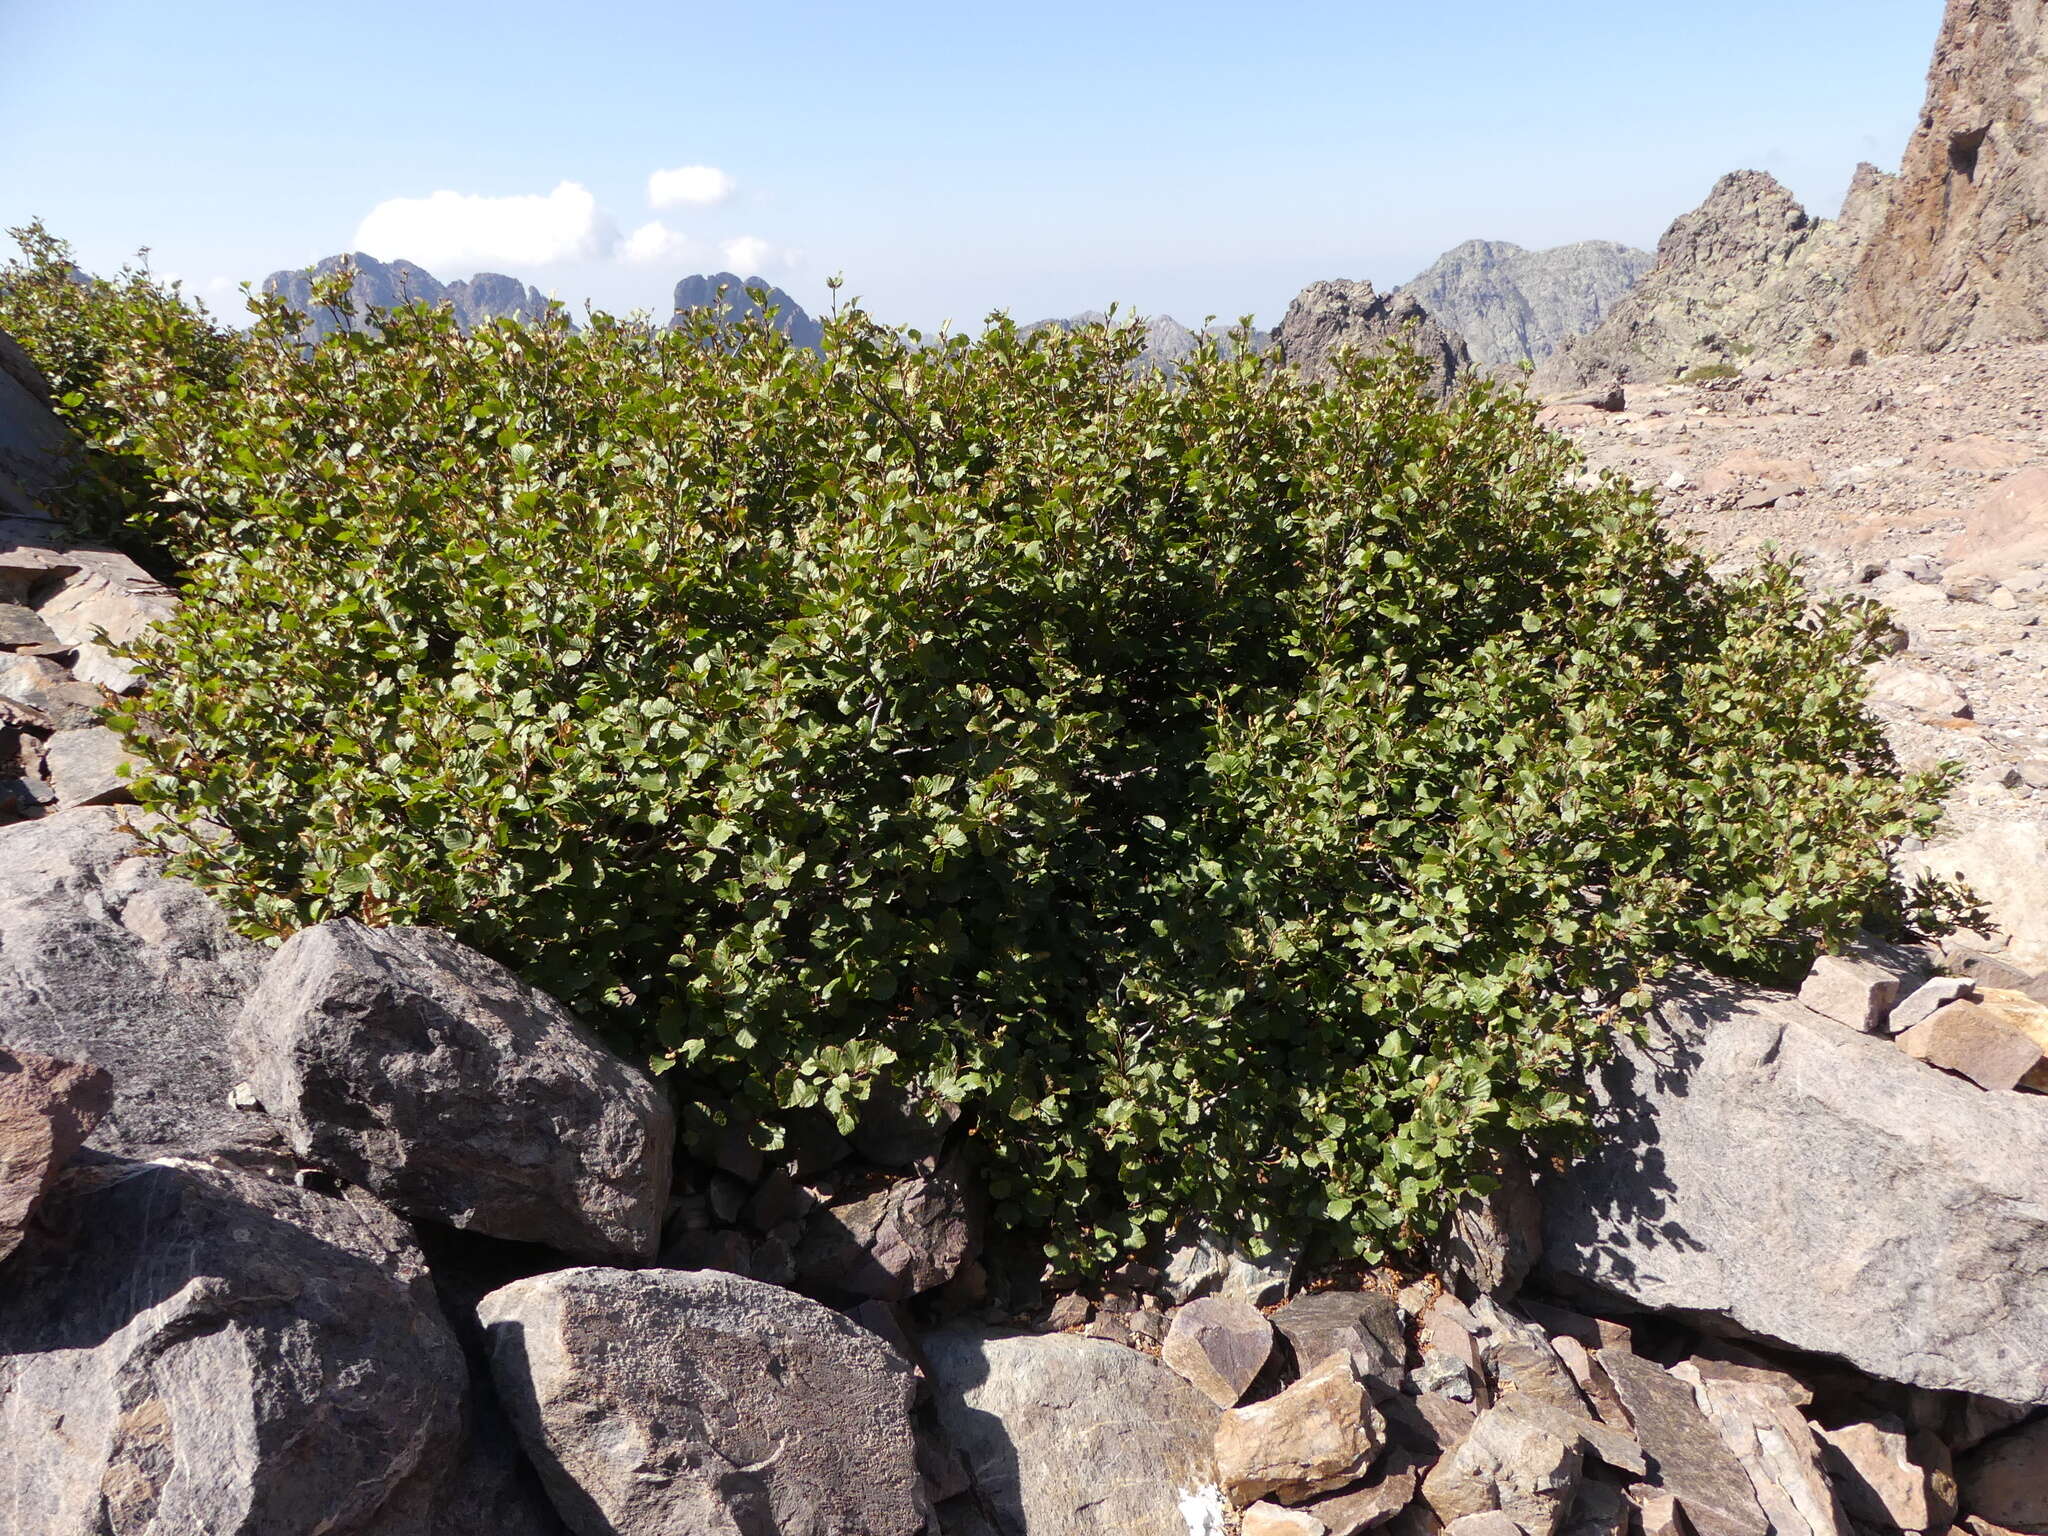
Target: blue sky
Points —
{"points": [[1191, 158]]}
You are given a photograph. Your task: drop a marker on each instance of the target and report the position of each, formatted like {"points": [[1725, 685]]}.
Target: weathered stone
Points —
{"points": [[1070, 1311], [224, 1354], [1660, 1513], [1365, 1323], [104, 607], [1856, 990], [1815, 1186], [1315, 1437], [1264, 1519], [2026, 1014], [1510, 1464], [1880, 1481], [22, 629], [1065, 1436], [1494, 1239], [2005, 1480], [410, 1064], [2006, 864], [1587, 1435], [1759, 1421], [1487, 1523], [1925, 1000], [1201, 1262], [38, 454], [907, 1238], [1918, 689], [86, 767], [47, 1109], [45, 686], [656, 1401], [1975, 1042], [1220, 1346], [1366, 1508], [1691, 1460], [103, 960], [1601, 1509], [1329, 318]]}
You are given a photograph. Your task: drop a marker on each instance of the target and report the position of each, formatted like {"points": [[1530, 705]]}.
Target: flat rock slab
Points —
{"points": [[105, 961], [1815, 1186], [408, 1063], [89, 767], [1066, 1436], [659, 1401], [1689, 1458], [224, 1354]]}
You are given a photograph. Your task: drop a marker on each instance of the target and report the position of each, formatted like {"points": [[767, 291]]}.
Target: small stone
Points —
{"points": [[2002, 598], [1756, 1413], [1069, 1312], [1928, 999], [1851, 990], [1264, 1519], [1918, 689], [1660, 1513], [2034, 774], [1219, 1346], [1318, 1435], [2005, 1480], [908, 1238], [1975, 1042], [1358, 1510], [22, 628], [1614, 1446], [1200, 1262], [1324, 1323], [1880, 1482], [44, 686], [1446, 1377], [1489, 1523], [1511, 1464]]}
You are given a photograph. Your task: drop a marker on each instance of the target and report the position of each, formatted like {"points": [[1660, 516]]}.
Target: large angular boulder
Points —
{"points": [[185, 1348], [1316, 1437], [38, 454], [105, 961], [1761, 1164], [410, 1064], [1066, 1436], [47, 1109], [1337, 316], [661, 1400]]}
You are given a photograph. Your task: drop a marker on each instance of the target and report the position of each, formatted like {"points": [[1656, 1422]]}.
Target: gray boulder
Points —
{"points": [[47, 1109], [1066, 1436], [224, 1354], [105, 961], [1762, 1165], [898, 1242], [406, 1062], [1331, 317], [658, 1401], [38, 454]]}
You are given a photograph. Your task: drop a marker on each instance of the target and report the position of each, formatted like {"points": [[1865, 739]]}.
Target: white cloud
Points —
{"points": [[697, 186], [450, 231], [750, 254], [654, 243]]}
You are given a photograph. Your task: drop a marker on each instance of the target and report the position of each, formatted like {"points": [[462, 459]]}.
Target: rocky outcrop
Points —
{"points": [[1747, 278], [410, 1064], [658, 1401], [1809, 1183], [1064, 1436], [37, 452], [192, 1349], [1962, 255], [378, 284], [730, 297], [1168, 343], [1328, 318], [103, 960], [1513, 305]]}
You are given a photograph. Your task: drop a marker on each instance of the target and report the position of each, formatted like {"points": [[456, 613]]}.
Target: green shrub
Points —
{"points": [[1710, 373], [1248, 798], [108, 347]]}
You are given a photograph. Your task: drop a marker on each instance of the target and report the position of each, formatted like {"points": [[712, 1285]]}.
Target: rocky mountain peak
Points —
{"points": [[712, 290], [1338, 315], [1963, 253], [378, 284], [1514, 305]]}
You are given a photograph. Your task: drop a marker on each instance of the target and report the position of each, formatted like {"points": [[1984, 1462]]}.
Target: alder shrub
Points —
{"points": [[1245, 797]]}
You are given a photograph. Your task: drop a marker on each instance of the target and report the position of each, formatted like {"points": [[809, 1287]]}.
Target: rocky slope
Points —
{"points": [[1963, 253], [730, 294], [387, 284], [1330, 317], [1513, 305], [1746, 278]]}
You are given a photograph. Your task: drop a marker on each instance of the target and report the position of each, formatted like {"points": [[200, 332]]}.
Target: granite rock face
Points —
{"points": [[1330, 317], [408, 1063], [1065, 1436], [1963, 253], [1747, 278], [1763, 1164], [1513, 305], [656, 1401], [105, 961], [224, 1354]]}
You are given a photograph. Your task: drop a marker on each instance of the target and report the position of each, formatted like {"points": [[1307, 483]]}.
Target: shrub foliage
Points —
{"points": [[1246, 797]]}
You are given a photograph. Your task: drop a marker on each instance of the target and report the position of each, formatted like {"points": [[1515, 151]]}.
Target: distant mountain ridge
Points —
{"points": [[708, 290], [378, 284], [1168, 343], [1515, 305]]}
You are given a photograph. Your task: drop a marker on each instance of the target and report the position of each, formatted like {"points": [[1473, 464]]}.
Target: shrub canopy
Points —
{"points": [[1248, 798]]}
